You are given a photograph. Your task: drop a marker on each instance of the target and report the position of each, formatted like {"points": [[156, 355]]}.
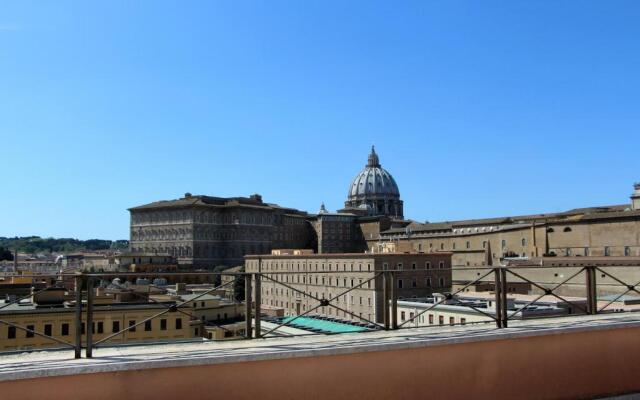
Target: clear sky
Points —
{"points": [[477, 108]]}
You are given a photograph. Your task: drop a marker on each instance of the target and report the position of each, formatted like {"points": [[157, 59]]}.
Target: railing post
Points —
{"points": [[247, 305], [504, 303], [498, 299], [394, 302], [385, 299], [78, 316], [258, 300], [89, 350], [592, 292]]}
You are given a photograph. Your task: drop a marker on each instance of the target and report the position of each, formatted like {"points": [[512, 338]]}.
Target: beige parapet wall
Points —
{"points": [[574, 364]]}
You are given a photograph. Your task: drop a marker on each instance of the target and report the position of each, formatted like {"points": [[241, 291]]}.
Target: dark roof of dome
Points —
{"points": [[373, 180]]}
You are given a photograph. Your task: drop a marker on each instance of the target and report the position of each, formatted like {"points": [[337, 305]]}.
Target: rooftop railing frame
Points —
{"points": [[497, 275]]}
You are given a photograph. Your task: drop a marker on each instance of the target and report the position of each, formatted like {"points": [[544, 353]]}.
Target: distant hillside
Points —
{"points": [[36, 244]]}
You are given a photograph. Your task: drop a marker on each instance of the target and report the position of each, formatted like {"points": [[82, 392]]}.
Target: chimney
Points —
{"points": [[635, 197]]}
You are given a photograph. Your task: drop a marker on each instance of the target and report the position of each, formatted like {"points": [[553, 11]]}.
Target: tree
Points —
{"points": [[5, 254], [239, 285]]}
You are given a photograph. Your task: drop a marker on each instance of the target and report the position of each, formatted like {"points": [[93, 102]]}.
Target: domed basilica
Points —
{"points": [[375, 191]]}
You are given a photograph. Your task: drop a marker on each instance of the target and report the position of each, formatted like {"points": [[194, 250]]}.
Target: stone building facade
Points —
{"points": [[206, 231], [595, 231], [337, 232], [327, 276]]}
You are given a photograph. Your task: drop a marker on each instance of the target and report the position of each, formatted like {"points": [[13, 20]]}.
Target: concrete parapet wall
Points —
{"points": [[567, 365]]}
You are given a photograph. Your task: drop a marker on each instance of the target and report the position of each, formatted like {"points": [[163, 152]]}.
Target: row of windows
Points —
{"points": [[98, 327], [320, 281], [400, 266], [275, 266], [339, 282], [587, 251], [420, 319], [285, 304], [414, 282]]}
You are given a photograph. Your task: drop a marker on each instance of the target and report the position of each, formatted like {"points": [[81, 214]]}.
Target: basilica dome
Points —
{"points": [[375, 189], [373, 180]]}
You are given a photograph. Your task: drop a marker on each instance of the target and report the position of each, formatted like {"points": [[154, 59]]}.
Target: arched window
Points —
{"points": [[550, 230], [567, 229]]}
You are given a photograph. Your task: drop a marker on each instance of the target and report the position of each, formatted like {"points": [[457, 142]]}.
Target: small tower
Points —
{"points": [[635, 197]]}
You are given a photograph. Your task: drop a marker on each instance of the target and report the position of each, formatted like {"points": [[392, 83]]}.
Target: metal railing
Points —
{"points": [[385, 286]]}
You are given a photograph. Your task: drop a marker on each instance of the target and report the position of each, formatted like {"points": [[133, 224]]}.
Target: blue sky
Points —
{"points": [[478, 109]]}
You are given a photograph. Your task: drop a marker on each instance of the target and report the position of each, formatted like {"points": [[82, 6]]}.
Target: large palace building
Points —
{"points": [[595, 231], [206, 231]]}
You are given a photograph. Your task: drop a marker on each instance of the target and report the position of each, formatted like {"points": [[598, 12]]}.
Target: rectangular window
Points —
{"points": [[399, 283], [64, 330], [132, 327], [147, 326], [100, 327], [463, 321], [30, 328], [48, 329], [11, 334], [178, 323], [115, 326], [83, 328], [430, 319], [402, 315], [163, 324], [441, 320], [414, 283], [441, 264], [452, 321]]}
